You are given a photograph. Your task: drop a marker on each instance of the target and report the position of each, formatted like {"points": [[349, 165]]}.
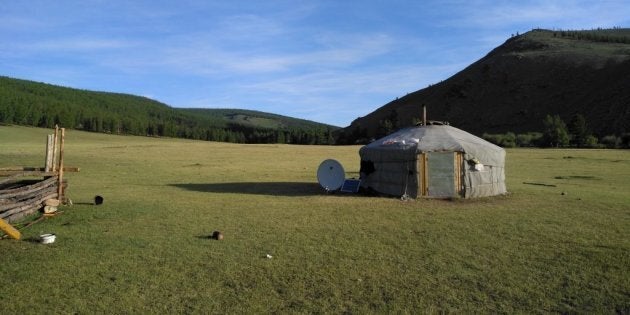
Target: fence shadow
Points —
{"points": [[256, 188]]}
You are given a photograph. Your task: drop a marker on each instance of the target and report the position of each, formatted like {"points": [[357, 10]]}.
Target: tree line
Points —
{"points": [[557, 133], [43, 105], [595, 36]]}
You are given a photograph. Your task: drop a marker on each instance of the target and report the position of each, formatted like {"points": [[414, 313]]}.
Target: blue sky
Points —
{"points": [[327, 61]]}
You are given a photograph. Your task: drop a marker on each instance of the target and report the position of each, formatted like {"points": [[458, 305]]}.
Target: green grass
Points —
{"points": [[145, 250]]}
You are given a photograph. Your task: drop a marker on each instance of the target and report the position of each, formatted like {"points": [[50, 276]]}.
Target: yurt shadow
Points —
{"points": [[290, 189]]}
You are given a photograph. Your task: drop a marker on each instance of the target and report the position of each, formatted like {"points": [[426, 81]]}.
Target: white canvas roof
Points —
{"points": [[436, 138]]}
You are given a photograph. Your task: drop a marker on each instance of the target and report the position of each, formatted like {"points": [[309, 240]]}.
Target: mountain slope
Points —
{"points": [[44, 105], [517, 84]]}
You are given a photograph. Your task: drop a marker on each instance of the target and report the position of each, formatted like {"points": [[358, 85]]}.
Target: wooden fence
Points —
{"points": [[25, 190]]}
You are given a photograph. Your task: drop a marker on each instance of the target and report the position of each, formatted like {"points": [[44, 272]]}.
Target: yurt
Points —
{"points": [[433, 160]]}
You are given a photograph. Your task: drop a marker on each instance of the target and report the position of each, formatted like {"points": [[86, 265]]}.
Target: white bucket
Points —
{"points": [[47, 238]]}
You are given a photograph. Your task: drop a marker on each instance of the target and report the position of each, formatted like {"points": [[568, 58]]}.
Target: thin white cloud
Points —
{"points": [[249, 27], [394, 80], [13, 23], [203, 56], [71, 44]]}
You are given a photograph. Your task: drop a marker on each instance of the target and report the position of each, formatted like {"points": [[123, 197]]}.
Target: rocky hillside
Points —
{"points": [[517, 84]]}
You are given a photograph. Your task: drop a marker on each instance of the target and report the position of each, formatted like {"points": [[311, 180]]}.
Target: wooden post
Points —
{"points": [[424, 115], [49, 166], [10, 230], [60, 176], [458, 173], [425, 161], [423, 175], [54, 157]]}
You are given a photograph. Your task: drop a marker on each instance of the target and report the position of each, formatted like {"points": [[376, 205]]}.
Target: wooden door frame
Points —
{"points": [[423, 175]]}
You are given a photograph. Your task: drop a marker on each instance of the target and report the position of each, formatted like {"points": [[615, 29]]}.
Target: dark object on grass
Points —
{"points": [[539, 184], [98, 200], [217, 235]]}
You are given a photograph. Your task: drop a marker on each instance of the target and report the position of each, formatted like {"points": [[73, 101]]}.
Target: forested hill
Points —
{"points": [[515, 86], [37, 104]]}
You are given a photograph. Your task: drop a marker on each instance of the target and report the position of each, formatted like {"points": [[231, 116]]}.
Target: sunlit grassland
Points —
{"points": [[146, 248]]}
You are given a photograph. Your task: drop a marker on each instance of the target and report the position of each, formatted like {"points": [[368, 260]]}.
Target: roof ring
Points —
{"points": [[434, 122]]}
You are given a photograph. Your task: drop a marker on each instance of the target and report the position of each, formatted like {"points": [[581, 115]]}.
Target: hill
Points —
{"points": [[31, 103], [517, 84]]}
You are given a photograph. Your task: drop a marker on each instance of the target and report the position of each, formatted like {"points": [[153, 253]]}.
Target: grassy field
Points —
{"points": [[146, 250]]}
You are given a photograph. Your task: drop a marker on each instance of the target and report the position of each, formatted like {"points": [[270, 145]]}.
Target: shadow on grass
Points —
{"points": [[257, 188], [33, 239]]}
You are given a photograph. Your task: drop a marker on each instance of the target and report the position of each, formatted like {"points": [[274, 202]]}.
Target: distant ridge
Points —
{"points": [[24, 102], [518, 83]]}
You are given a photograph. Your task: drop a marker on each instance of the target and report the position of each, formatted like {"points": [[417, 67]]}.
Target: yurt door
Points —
{"points": [[442, 174]]}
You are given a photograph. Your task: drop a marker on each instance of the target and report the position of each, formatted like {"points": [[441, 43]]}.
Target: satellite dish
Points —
{"points": [[330, 175]]}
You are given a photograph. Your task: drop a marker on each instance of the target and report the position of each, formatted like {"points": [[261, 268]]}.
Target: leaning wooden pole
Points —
{"points": [[60, 176], [10, 230]]}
